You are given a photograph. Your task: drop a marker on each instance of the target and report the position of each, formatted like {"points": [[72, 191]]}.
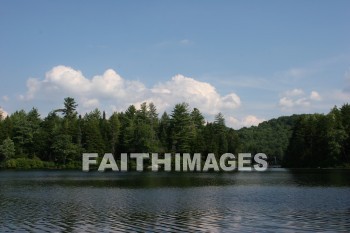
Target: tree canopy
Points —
{"points": [[58, 140]]}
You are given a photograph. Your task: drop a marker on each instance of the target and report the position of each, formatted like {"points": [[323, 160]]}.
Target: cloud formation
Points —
{"points": [[111, 92], [246, 121], [200, 94], [3, 113], [315, 96], [298, 98]]}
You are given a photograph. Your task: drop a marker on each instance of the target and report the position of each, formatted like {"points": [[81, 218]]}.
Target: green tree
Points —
{"points": [[182, 129], [198, 143], [70, 107], [220, 134], [345, 118], [114, 132], [164, 133], [1, 114], [92, 138], [6, 128], [128, 127], [34, 121], [22, 132], [7, 149], [50, 128], [64, 150]]}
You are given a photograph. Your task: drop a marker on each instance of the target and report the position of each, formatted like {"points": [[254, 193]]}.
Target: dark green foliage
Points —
{"points": [[7, 149], [113, 132], [270, 137], [25, 163], [92, 139], [57, 141], [320, 140], [70, 107], [164, 133], [182, 129]]}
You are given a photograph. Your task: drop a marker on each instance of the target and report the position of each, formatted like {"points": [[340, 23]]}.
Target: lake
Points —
{"points": [[277, 200]]}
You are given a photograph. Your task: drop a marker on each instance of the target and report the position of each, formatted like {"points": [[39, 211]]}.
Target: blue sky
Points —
{"points": [[251, 60]]}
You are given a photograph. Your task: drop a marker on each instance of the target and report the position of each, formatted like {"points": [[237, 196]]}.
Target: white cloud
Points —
{"points": [[297, 98], [66, 78], [294, 92], [111, 91], [246, 121], [199, 94], [90, 103], [252, 120], [315, 96], [286, 102], [3, 113]]}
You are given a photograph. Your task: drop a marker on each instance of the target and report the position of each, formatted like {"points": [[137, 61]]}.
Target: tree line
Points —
{"points": [[320, 140], [58, 140]]}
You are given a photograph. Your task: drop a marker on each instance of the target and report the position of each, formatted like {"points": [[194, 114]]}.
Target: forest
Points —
{"points": [[58, 140]]}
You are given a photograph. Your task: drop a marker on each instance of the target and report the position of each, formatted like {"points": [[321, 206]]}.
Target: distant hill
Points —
{"points": [[307, 140], [269, 137]]}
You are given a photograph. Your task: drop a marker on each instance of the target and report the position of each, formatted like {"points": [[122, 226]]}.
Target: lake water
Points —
{"points": [[278, 200]]}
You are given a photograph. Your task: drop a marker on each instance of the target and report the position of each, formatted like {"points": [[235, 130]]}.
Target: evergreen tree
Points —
{"points": [[198, 144], [7, 149], [34, 120], [70, 107], [345, 117], [164, 133], [92, 138], [182, 129], [220, 134], [22, 132], [114, 132], [313, 140]]}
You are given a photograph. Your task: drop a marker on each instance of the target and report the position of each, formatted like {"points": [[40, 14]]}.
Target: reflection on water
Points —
{"points": [[278, 200]]}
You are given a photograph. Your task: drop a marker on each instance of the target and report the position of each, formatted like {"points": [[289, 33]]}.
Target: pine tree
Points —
{"points": [[182, 130], [164, 133], [220, 134], [92, 138], [114, 132]]}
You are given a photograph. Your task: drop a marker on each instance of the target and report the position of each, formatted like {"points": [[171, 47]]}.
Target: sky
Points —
{"points": [[250, 60]]}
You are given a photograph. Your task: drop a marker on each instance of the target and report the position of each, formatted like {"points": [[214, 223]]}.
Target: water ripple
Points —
{"points": [[245, 202]]}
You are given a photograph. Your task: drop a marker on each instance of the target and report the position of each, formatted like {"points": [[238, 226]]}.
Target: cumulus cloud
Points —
{"points": [[200, 94], [90, 103], [315, 96], [294, 92], [3, 113], [246, 121], [111, 91], [298, 98]]}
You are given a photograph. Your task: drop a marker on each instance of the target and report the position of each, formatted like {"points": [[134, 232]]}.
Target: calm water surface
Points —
{"points": [[274, 201]]}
